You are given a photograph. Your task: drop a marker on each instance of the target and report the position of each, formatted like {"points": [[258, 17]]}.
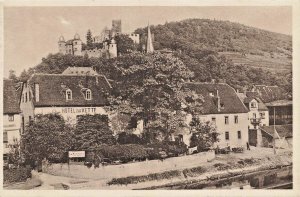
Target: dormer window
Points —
{"points": [[253, 105], [68, 94], [88, 95]]}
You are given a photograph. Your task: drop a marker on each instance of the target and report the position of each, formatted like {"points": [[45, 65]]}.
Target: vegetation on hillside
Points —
{"points": [[219, 36]]}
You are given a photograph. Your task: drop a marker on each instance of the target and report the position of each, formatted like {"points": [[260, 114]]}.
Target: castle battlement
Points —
{"points": [[106, 48]]}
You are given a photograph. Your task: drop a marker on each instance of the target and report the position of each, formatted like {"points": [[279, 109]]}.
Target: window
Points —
{"points": [[26, 97], [226, 120], [213, 119], [5, 138], [254, 115], [30, 119], [227, 135], [253, 105], [29, 96], [68, 94], [239, 135], [10, 118], [236, 119], [262, 115], [88, 95]]}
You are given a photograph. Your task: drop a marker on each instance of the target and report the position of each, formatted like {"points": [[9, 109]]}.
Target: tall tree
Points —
{"points": [[92, 131], [124, 44], [46, 137], [204, 134], [150, 87], [89, 38]]}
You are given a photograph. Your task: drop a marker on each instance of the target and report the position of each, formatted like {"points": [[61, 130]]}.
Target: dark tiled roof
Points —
{"points": [[52, 89], [269, 93], [228, 98], [282, 130], [10, 98]]}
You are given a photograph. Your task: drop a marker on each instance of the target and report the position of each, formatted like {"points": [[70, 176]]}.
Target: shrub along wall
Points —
{"points": [[16, 175], [125, 152]]}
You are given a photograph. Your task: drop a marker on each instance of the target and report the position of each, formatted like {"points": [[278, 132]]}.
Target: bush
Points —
{"points": [[144, 178], [193, 172], [125, 153], [222, 166], [16, 175]]}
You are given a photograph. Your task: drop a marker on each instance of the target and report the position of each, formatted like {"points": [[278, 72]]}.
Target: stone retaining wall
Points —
{"points": [[130, 169]]}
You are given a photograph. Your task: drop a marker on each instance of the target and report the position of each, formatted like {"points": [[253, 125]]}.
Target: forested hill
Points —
{"points": [[242, 44]]}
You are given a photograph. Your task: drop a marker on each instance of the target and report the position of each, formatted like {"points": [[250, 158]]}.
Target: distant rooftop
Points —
{"points": [[79, 71]]}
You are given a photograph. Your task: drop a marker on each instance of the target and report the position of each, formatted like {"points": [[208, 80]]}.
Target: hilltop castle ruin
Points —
{"points": [[104, 44]]}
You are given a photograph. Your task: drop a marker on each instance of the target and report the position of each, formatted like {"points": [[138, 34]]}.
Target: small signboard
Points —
{"points": [[76, 154]]}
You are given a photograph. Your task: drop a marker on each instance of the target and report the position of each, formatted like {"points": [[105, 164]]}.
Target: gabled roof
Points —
{"points": [[79, 71], [10, 98], [249, 96], [269, 93], [282, 130], [228, 98], [52, 89]]}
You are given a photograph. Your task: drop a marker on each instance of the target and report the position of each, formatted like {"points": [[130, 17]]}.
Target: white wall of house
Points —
{"points": [[254, 112], [12, 129], [69, 113], [26, 104], [231, 127]]}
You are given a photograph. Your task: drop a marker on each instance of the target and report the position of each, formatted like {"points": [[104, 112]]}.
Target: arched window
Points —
{"points": [[88, 95], [68, 94]]}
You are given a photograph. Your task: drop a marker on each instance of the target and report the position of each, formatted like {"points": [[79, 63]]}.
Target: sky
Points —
{"points": [[31, 33]]}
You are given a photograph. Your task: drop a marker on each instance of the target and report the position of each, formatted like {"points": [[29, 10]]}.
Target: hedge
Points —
{"points": [[16, 175], [125, 152], [144, 178], [193, 172]]}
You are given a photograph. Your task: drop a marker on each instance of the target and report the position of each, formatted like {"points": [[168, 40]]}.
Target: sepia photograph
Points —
{"points": [[148, 98]]}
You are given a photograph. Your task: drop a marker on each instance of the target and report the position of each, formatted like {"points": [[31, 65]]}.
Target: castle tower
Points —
{"points": [[113, 49], [77, 45], [150, 48], [61, 45], [116, 27]]}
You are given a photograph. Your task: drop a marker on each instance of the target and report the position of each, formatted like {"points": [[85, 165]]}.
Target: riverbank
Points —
{"points": [[222, 167]]}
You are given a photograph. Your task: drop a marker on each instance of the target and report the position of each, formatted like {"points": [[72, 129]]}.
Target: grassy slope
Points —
{"points": [[244, 45]]}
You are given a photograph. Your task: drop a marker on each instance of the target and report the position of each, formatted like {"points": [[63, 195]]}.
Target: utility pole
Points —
{"points": [[274, 149]]}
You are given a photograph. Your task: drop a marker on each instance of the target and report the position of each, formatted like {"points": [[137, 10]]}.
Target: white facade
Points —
{"points": [[11, 130], [70, 113], [234, 132], [135, 38], [257, 115]]}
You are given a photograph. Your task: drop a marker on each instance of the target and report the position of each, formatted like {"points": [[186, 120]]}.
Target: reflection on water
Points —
{"points": [[269, 179]]}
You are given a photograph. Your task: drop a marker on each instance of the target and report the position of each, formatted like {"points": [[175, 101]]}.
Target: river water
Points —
{"points": [[269, 179]]}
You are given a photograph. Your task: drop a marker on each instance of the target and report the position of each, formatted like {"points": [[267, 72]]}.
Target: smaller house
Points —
{"points": [[258, 116], [11, 116], [223, 108], [283, 136]]}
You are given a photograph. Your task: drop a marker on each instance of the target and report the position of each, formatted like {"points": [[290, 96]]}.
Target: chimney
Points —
{"points": [[37, 92], [218, 101]]}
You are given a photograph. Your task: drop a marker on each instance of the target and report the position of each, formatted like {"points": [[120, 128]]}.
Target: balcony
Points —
{"points": [[255, 121]]}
